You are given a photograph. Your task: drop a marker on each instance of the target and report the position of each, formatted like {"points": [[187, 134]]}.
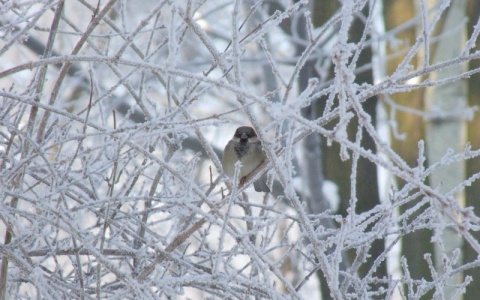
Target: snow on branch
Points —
{"points": [[113, 118]]}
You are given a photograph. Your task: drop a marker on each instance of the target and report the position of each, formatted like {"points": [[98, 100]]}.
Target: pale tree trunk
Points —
{"points": [[445, 129]]}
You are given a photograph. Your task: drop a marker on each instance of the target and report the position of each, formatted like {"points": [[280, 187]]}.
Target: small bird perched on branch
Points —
{"points": [[246, 148]]}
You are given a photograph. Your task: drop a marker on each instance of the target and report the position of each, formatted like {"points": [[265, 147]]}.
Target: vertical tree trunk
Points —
{"points": [[473, 167], [445, 130], [340, 171], [312, 147], [396, 13]]}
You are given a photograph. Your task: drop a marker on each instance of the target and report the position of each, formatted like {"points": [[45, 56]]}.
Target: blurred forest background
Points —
{"points": [[114, 115]]}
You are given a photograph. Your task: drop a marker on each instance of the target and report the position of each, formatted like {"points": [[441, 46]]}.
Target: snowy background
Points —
{"points": [[114, 115]]}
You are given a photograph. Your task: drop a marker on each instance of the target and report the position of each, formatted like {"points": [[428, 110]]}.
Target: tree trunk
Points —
{"points": [[445, 131], [340, 171], [409, 127], [473, 167]]}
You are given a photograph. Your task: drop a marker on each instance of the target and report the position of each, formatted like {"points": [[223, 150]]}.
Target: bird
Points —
{"points": [[246, 148]]}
